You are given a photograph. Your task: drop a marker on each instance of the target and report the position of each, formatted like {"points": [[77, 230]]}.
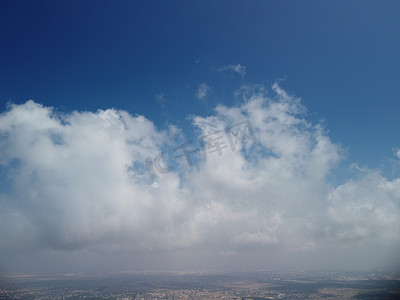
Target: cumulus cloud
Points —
{"points": [[241, 70], [202, 91], [78, 182]]}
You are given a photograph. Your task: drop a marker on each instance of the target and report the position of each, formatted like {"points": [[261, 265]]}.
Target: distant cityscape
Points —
{"points": [[193, 285]]}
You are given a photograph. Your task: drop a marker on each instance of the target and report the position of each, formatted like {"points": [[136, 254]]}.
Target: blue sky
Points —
{"points": [[341, 58], [174, 62]]}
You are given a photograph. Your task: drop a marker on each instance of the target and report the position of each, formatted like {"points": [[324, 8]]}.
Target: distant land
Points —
{"points": [[203, 285]]}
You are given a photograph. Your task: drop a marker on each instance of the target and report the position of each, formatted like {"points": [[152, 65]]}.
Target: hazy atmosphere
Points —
{"points": [[199, 135]]}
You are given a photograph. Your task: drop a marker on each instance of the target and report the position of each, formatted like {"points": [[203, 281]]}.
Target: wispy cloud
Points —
{"points": [[396, 153], [160, 99], [202, 91], [241, 70]]}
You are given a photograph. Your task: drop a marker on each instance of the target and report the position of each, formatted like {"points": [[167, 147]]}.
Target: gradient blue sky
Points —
{"points": [[342, 59]]}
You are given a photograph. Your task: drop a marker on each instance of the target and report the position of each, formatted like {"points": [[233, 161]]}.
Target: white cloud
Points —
{"points": [[202, 91], [397, 153], [78, 182], [241, 70], [365, 209]]}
